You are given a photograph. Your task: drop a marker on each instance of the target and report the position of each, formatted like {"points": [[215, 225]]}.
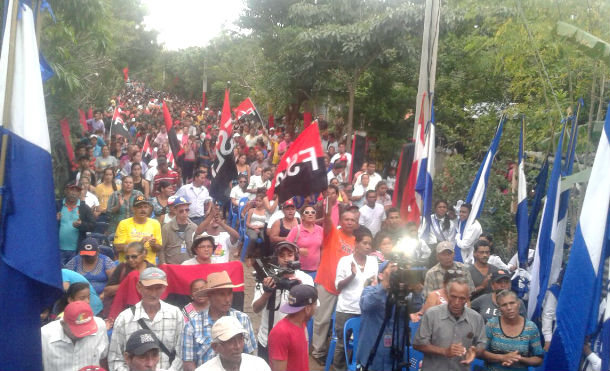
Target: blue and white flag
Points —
{"points": [[476, 195], [579, 299], [521, 218], [29, 233], [425, 178], [546, 246]]}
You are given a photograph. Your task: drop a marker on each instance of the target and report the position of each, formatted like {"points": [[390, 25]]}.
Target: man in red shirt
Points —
{"points": [[165, 174], [287, 341]]}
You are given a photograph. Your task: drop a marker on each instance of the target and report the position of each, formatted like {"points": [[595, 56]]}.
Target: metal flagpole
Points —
{"points": [[8, 92]]}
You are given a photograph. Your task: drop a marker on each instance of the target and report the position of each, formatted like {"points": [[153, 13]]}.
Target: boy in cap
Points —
{"points": [[151, 313], [266, 293], [228, 342], [142, 351], [77, 340], [196, 347], [287, 340]]}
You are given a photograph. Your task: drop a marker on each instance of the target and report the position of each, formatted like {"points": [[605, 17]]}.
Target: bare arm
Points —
{"points": [[327, 222], [274, 234]]}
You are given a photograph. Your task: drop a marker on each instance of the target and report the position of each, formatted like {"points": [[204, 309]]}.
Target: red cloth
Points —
{"points": [[82, 120], [65, 131], [287, 342], [179, 278], [306, 119]]}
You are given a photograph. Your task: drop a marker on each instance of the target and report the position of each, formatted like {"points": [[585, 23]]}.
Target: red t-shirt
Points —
{"points": [[287, 342]]}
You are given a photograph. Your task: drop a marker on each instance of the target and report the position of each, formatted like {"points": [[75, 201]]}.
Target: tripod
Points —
{"points": [[396, 308]]}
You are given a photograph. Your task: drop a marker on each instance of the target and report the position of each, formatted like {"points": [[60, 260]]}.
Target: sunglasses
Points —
{"points": [[455, 271], [128, 257], [309, 212]]}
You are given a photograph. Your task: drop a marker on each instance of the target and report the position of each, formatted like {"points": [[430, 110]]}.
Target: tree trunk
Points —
{"points": [[292, 113], [351, 87]]}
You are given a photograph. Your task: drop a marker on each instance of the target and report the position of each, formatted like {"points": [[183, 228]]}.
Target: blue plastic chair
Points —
{"points": [[477, 365], [332, 345], [415, 358], [351, 332]]}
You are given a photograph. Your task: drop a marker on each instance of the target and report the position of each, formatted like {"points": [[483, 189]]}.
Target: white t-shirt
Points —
{"points": [[263, 331], [349, 298], [373, 180], [337, 156], [91, 200], [359, 191], [248, 363], [223, 248], [256, 182], [237, 193], [372, 217]]}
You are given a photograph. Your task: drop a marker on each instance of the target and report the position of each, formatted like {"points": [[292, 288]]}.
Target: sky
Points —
{"points": [[185, 23]]}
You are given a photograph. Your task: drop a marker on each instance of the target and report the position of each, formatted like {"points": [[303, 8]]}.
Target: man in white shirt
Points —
{"points": [[165, 320], [374, 177], [372, 213], [239, 191], [197, 194], [77, 340], [338, 171], [286, 253], [262, 181], [342, 155], [228, 343], [465, 240], [352, 272], [224, 236]]}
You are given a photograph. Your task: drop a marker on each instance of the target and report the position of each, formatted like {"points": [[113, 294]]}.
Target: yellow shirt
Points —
{"points": [[129, 231], [103, 193]]}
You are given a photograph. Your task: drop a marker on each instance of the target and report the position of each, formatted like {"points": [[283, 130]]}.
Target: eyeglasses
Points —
{"points": [[455, 271], [309, 212], [128, 257]]}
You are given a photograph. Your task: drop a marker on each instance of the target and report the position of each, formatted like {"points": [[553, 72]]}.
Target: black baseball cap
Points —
{"points": [[299, 297], [499, 274], [140, 200], [141, 342]]}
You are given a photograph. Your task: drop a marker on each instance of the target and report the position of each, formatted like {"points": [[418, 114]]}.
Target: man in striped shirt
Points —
{"points": [[164, 320]]}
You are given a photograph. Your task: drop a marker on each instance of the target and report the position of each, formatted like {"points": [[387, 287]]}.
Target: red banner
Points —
{"points": [[65, 132], [90, 113], [126, 74], [306, 119], [83, 120]]}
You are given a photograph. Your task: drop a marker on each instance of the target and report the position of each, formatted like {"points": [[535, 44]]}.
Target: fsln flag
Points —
{"points": [[521, 218], [476, 194], [425, 179], [579, 299], [546, 245], [224, 169], [402, 173], [118, 126], [359, 151], [28, 233], [247, 109], [301, 171], [147, 152], [172, 138]]}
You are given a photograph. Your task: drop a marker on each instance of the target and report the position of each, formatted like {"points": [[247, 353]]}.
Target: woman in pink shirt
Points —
{"points": [[308, 237]]}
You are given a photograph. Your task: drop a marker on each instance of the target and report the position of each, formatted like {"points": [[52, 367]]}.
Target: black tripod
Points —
{"points": [[396, 309]]}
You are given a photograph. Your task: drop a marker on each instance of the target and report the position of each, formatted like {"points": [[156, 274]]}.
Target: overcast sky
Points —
{"points": [[185, 23]]}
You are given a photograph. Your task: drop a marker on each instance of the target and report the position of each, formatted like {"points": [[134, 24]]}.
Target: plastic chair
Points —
{"points": [[351, 331], [477, 365], [415, 358], [108, 251], [101, 227], [332, 345]]}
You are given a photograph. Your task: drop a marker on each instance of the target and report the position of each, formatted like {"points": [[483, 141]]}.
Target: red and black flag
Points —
{"points": [[172, 138], [359, 149], [301, 171], [247, 110], [118, 126], [147, 153], [402, 175], [224, 169]]}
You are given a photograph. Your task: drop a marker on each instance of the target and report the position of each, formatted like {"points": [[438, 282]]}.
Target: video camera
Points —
{"points": [[265, 267], [408, 273]]}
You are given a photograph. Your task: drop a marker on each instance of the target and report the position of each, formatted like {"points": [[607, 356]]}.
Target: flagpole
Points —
{"points": [[8, 93]]}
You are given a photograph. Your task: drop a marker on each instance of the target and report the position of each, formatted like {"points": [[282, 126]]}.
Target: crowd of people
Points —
{"points": [[130, 209]]}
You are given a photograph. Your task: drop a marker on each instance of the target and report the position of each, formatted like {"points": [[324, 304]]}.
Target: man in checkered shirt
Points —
{"points": [[197, 337], [165, 321]]}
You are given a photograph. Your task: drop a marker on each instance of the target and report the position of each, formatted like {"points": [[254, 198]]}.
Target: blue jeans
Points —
{"points": [[66, 255]]}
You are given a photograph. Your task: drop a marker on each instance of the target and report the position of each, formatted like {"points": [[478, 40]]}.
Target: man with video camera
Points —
{"points": [[272, 291]]}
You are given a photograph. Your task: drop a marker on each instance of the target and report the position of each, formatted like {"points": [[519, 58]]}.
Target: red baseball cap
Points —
{"points": [[79, 317]]}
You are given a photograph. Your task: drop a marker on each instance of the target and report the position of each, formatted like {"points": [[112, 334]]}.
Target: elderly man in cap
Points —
{"points": [[139, 228], [142, 351], [434, 277], [196, 346], [151, 313], [77, 340], [177, 234], [228, 336], [267, 297], [75, 219], [287, 340]]}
